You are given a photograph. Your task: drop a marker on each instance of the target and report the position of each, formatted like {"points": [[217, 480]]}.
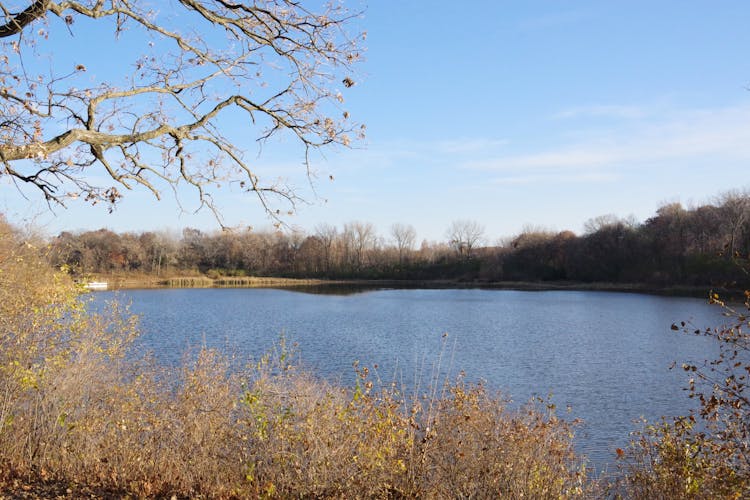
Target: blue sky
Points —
{"points": [[510, 114]]}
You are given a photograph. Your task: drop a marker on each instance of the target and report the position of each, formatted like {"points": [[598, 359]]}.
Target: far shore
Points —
{"points": [[125, 282]]}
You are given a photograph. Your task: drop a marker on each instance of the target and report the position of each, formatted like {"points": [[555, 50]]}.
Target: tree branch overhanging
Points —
{"points": [[17, 22], [165, 126]]}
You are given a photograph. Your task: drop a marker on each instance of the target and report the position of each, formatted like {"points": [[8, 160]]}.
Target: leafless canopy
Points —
{"points": [[404, 235], [204, 78], [465, 235]]}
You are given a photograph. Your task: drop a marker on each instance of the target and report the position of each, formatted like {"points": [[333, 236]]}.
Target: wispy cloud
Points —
{"points": [[400, 154], [721, 134], [603, 111], [556, 177], [474, 146], [563, 158]]}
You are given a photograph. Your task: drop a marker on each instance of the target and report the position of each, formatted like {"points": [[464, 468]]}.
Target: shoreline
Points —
{"points": [[143, 282]]}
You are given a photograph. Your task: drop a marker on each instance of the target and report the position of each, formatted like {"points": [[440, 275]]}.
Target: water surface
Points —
{"points": [[605, 355]]}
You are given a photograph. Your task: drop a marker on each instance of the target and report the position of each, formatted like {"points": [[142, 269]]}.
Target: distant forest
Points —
{"points": [[697, 246]]}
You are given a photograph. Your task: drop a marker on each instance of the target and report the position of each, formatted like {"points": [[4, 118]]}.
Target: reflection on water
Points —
{"points": [[606, 355], [335, 289]]}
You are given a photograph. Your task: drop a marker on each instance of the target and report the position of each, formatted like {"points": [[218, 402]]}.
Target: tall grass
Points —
{"points": [[76, 407]]}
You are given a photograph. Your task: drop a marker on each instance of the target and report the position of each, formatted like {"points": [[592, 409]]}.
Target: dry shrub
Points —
{"points": [[671, 460], [475, 447], [77, 406], [158, 432], [313, 440], [53, 355]]}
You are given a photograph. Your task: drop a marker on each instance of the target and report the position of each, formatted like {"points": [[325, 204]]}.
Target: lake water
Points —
{"points": [[605, 355]]}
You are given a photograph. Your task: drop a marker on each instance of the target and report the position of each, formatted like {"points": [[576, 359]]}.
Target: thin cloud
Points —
{"points": [[398, 154], [575, 178], [603, 111], [470, 145], [722, 134], [565, 158]]}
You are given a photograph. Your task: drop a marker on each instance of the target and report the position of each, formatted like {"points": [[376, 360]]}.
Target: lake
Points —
{"points": [[605, 355]]}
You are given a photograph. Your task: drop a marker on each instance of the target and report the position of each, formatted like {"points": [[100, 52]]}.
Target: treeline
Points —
{"points": [[677, 246]]}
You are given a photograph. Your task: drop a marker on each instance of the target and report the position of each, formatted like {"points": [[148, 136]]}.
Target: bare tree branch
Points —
{"points": [[18, 22], [272, 61]]}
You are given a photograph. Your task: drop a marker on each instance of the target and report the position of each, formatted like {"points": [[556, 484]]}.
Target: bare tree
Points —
{"points": [[734, 207], [405, 236], [599, 222], [464, 235], [272, 66], [327, 235], [359, 238]]}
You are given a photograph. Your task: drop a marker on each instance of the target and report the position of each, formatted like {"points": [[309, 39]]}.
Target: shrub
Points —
{"points": [[310, 439]]}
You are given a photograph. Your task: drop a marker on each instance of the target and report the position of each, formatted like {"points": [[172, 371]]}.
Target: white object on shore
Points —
{"points": [[96, 285]]}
